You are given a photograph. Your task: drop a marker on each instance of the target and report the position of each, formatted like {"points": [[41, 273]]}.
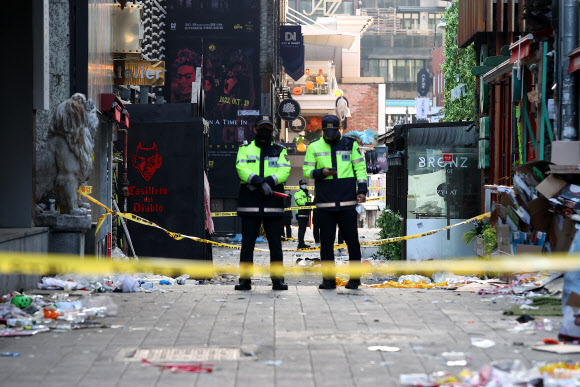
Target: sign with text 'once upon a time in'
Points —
{"points": [[139, 72]]}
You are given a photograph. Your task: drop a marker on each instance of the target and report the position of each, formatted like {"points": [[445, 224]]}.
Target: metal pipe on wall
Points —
{"points": [[568, 35]]}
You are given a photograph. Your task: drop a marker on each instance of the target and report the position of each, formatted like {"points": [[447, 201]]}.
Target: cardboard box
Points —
{"points": [[528, 249], [562, 233], [503, 234], [566, 152], [540, 213], [551, 186]]}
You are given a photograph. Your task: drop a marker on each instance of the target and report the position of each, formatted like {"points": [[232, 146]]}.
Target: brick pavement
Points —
{"points": [[320, 337]]}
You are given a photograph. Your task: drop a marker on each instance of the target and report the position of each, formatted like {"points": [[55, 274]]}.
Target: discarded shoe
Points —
{"points": [[278, 284], [352, 284], [245, 284], [327, 284]]}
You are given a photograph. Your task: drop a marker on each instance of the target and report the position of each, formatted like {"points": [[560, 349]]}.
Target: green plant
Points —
{"points": [[489, 238], [487, 234], [391, 226], [457, 67], [469, 236]]}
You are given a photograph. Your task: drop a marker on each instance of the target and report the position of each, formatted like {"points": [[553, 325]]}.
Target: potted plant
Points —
{"points": [[484, 236]]}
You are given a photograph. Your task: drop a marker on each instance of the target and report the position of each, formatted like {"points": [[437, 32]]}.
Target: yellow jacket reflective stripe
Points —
{"points": [[339, 191], [255, 166]]}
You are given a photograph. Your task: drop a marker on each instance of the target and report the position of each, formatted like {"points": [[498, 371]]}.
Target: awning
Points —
{"points": [[521, 48], [574, 60], [497, 71], [324, 37]]}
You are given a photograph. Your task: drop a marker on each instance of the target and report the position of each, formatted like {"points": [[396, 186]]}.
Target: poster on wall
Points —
{"points": [[222, 37]]}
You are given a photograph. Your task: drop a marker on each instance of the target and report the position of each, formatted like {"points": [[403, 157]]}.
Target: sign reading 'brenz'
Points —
{"points": [[139, 72], [443, 161]]}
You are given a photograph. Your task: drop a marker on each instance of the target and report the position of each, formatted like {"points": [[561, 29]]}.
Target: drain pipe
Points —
{"points": [[568, 37]]}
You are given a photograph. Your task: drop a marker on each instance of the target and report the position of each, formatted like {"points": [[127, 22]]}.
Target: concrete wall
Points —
{"points": [[31, 240], [59, 45], [363, 103]]}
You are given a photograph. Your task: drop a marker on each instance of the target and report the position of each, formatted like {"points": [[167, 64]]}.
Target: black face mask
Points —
{"points": [[330, 135], [264, 134]]}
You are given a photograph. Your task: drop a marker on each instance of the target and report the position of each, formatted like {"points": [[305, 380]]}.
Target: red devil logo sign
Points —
{"points": [[147, 161]]}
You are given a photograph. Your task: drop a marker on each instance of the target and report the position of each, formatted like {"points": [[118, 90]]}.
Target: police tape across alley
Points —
{"points": [[178, 236], [29, 263]]}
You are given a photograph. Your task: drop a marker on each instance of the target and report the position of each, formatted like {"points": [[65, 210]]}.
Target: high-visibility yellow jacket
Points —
{"points": [[300, 199], [337, 192], [258, 165]]}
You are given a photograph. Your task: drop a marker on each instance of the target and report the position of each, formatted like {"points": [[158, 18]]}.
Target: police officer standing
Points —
{"points": [[301, 199], [263, 167], [337, 167]]}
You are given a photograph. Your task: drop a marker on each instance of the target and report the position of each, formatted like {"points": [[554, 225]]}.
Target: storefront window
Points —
{"points": [[442, 176]]}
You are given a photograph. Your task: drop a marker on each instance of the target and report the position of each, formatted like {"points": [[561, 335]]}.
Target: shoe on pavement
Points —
{"points": [[327, 284], [352, 284], [303, 246], [278, 284], [245, 284]]}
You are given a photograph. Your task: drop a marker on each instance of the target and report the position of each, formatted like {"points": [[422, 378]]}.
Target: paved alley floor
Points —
{"points": [[300, 337]]}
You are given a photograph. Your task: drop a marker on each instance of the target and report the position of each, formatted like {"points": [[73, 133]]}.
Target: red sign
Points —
{"points": [[448, 158], [117, 115], [147, 160]]}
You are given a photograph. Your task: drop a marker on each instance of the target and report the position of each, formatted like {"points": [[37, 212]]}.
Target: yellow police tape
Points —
{"points": [[28, 263], [178, 236], [223, 214]]}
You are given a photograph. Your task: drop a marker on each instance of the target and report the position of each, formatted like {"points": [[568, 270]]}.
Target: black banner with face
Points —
{"points": [[225, 34]]}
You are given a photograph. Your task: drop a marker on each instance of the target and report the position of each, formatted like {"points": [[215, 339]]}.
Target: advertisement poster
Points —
{"points": [[222, 38]]}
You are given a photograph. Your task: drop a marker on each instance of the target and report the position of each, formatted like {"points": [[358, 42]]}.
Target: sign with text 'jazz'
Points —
{"points": [[139, 72]]}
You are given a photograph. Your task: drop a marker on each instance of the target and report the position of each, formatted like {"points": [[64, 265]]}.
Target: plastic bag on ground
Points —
{"points": [[453, 279], [126, 283], [90, 302]]}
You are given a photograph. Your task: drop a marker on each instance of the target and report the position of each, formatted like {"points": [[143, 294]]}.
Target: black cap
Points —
{"points": [[264, 121], [302, 181], [330, 121]]}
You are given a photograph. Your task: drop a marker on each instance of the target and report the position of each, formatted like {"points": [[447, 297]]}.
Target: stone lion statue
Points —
{"points": [[64, 160]]}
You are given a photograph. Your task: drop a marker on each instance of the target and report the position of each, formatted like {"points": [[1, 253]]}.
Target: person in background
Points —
{"points": [[301, 199]]}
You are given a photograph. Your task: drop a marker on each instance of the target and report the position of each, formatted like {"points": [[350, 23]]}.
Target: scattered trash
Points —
{"points": [[274, 363], [181, 367], [10, 354], [524, 319], [456, 359], [414, 278], [164, 282], [482, 343], [59, 313], [384, 348]]}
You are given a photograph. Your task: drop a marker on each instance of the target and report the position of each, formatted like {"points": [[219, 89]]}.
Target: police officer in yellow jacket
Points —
{"points": [[337, 167], [301, 199], [263, 167]]}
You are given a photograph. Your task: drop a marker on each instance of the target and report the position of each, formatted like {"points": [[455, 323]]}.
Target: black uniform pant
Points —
{"points": [[315, 226], [302, 223], [346, 220], [288, 225], [251, 231]]}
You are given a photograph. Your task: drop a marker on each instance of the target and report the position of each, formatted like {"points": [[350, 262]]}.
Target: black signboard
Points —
{"points": [[224, 38], [297, 125], [423, 82], [166, 165], [289, 109], [292, 51]]}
